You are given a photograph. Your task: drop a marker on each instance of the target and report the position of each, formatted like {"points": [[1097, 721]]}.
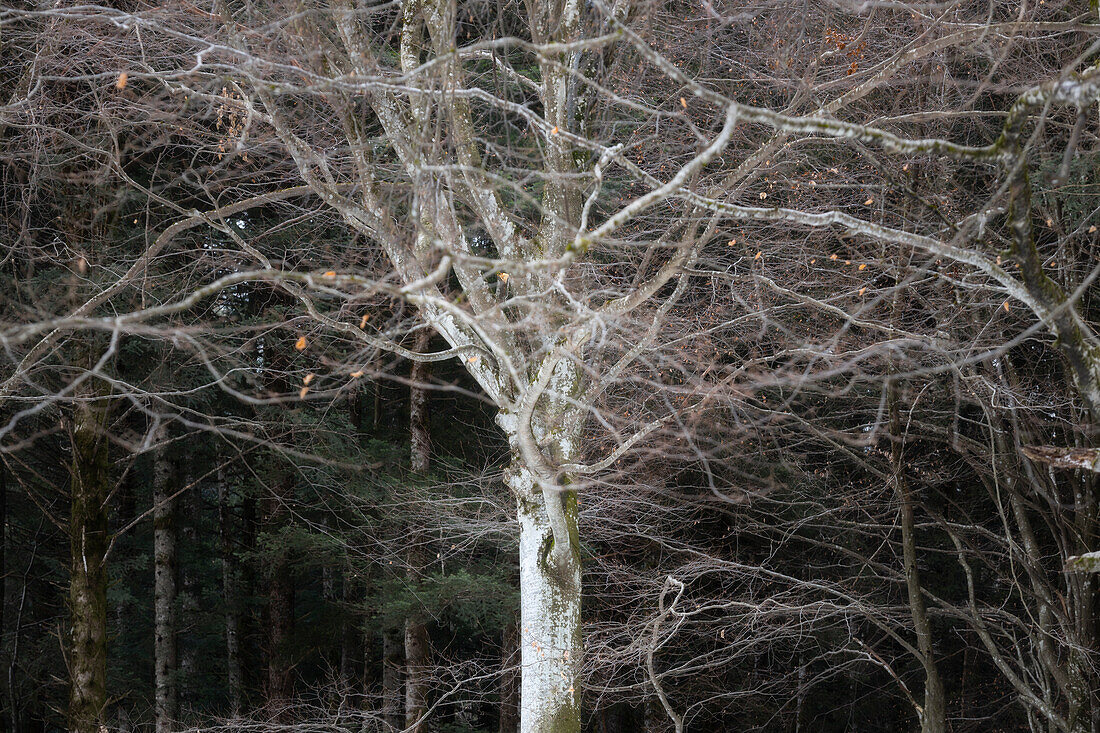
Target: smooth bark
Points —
{"points": [[550, 604], [933, 714]]}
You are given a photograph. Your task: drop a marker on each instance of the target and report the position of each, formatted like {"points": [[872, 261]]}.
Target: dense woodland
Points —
{"points": [[547, 366]]}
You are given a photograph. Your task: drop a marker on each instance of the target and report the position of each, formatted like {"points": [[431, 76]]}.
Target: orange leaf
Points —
{"points": [[683, 103], [300, 344], [330, 274], [1006, 306], [122, 79], [863, 266], [356, 375], [309, 378], [363, 321], [303, 392]]}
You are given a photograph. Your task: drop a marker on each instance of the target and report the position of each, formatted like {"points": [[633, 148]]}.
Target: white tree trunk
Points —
{"points": [[550, 613]]}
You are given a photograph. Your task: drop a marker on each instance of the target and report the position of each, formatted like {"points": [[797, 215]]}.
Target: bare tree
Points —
{"points": [[651, 254]]}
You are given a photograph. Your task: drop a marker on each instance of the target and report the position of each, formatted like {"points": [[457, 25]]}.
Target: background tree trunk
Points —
{"points": [[188, 512], [231, 595], [6, 708], [392, 662], [88, 543], [280, 612], [417, 640], [166, 702], [349, 646], [509, 690], [933, 716]]}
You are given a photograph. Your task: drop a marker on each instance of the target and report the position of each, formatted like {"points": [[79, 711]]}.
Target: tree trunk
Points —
{"points": [[550, 610], [230, 596], [392, 649], [417, 656], [166, 702], [420, 436], [417, 641], [188, 513], [933, 715], [349, 647], [280, 615], [655, 718], [88, 543], [4, 590]]}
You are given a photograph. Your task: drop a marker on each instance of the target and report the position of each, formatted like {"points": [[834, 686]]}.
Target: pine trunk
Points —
{"points": [[166, 702], [417, 641], [188, 510], [88, 543], [392, 651], [349, 648], [5, 713], [280, 622], [417, 656], [230, 595]]}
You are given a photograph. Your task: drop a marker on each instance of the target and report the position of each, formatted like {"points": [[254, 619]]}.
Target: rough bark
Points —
{"points": [[417, 640], [420, 437], [166, 697], [88, 542], [231, 596], [188, 510], [4, 705], [392, 662], [8, 657], [417, 656], [280, 603], [349, 639]]}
